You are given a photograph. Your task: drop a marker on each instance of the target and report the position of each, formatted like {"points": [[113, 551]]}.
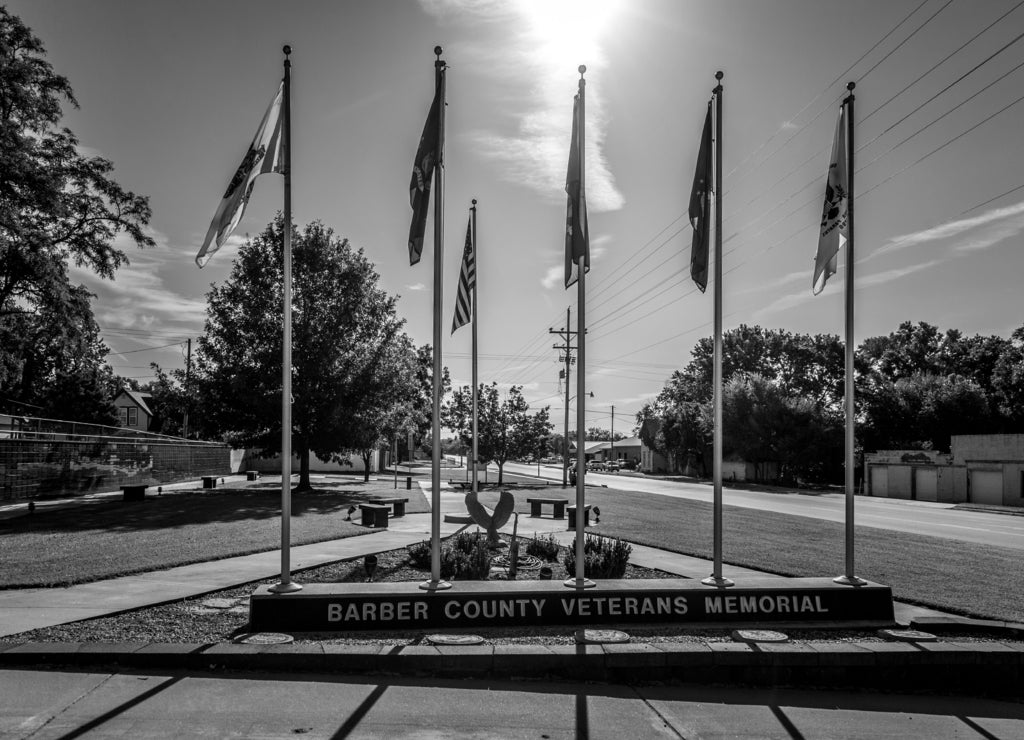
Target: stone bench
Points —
{"points": [[557, 505], [375, 515], [252, 475], [397, 504], [572, 516], [134, 493], [209, 481]]}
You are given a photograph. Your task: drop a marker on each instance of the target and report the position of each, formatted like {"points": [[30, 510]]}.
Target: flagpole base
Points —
{"points": [[285, 588], [718, 581], [435, 585], [578, 583], [849, 581]]}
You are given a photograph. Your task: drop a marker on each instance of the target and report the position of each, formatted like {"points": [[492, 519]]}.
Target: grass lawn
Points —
{"points": [[960, 577], [110, 537]]}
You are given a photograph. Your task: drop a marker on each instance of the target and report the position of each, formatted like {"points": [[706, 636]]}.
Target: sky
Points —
{"points": [[172, 93]]}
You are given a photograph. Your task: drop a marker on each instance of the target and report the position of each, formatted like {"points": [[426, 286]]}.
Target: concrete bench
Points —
{"points": [[252, 475], [134, 493], [557, 504], [572, 516], [397, 504], [209, 481], [375, 515]]}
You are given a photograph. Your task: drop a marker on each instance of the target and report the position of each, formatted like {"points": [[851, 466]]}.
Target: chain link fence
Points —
{"points": [[48, 457]]}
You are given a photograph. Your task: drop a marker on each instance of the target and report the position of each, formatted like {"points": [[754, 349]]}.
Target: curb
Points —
{"points": [[989, 668]]}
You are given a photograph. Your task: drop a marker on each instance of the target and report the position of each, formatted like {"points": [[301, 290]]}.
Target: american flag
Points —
{"points": [[467, 281]]}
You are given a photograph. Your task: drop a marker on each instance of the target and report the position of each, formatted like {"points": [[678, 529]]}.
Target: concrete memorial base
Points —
{"points": [[793, 602]]}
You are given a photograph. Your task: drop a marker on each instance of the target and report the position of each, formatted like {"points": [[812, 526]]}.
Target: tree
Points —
{"points": [[923, 411], [505, 429], [57, 207], [764, 423], [389, 404], [347, 345], [168, 401]]}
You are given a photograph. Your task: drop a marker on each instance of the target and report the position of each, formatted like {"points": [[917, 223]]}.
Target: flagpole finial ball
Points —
{"points": [[582, 68], [438, 50], [719, 75], [474, 202], [850, 85], [287, 50]]}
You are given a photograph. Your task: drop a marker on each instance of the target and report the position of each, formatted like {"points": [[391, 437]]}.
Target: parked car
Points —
{"points": [[612, 466], [596, 465]]}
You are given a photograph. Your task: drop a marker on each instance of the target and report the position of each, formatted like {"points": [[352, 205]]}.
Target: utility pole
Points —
{"points": [[188, 401], [566, 334], [611, 453]]}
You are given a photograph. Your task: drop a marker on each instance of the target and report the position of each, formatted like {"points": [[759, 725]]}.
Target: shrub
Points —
{"points": [[545, 548], [467, 542], [419, 555], [603, 557], [465, 557]]}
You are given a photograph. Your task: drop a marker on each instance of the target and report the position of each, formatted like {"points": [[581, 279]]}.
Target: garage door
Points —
{"points": [[926, 484], [987, 487], [879, 480]]}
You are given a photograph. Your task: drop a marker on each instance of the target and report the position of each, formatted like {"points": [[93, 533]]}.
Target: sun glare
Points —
{"points": [[568, 32]]}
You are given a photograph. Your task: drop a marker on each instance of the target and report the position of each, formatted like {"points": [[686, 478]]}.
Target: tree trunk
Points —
{"points": [[367, 454], [501, 468], [304, 484]]}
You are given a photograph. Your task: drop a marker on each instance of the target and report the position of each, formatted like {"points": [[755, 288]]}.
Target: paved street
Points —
{"points": [[918, 517], [40, 705]]}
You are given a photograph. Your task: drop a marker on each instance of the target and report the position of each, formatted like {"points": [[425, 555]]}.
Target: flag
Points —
{"points": [[265, 154], [700, 208], [467, 281], [577, 236], [834, 225], [427, 156]]}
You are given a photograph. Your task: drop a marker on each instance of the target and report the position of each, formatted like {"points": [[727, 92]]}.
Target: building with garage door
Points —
{"points": [[994, 465], [980, 469]]}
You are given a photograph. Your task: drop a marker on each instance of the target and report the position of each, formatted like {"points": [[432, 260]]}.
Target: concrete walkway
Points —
{"points": [[22, 610]]}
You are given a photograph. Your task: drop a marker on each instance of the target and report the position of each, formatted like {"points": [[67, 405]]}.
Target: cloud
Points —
{"points": [[984, 230], [138, 298], [542, 43], [863, 281], [416, 286], [555, 276]]}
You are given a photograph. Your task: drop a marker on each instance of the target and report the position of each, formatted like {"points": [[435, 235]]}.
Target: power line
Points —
{"points": [[144, 349]]}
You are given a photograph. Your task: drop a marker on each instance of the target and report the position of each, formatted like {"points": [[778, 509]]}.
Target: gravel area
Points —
{"points": [[223, 616]]}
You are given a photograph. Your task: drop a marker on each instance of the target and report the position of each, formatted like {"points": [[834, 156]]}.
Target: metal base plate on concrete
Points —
{"points": [[908, 636], [265, 638], [755, 636], [601, 637], [455, 639]]}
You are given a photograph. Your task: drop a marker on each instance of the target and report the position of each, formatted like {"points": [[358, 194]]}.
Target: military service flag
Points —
{"points": [[577, 236], [700, 208], [833, 218], [265, 154]]}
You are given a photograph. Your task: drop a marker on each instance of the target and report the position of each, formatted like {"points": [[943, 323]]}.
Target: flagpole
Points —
{"points": [[286, 585], [568, 366], [849, 578], [581, 375], [716, 578], [476, 279], [435, 581]]}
